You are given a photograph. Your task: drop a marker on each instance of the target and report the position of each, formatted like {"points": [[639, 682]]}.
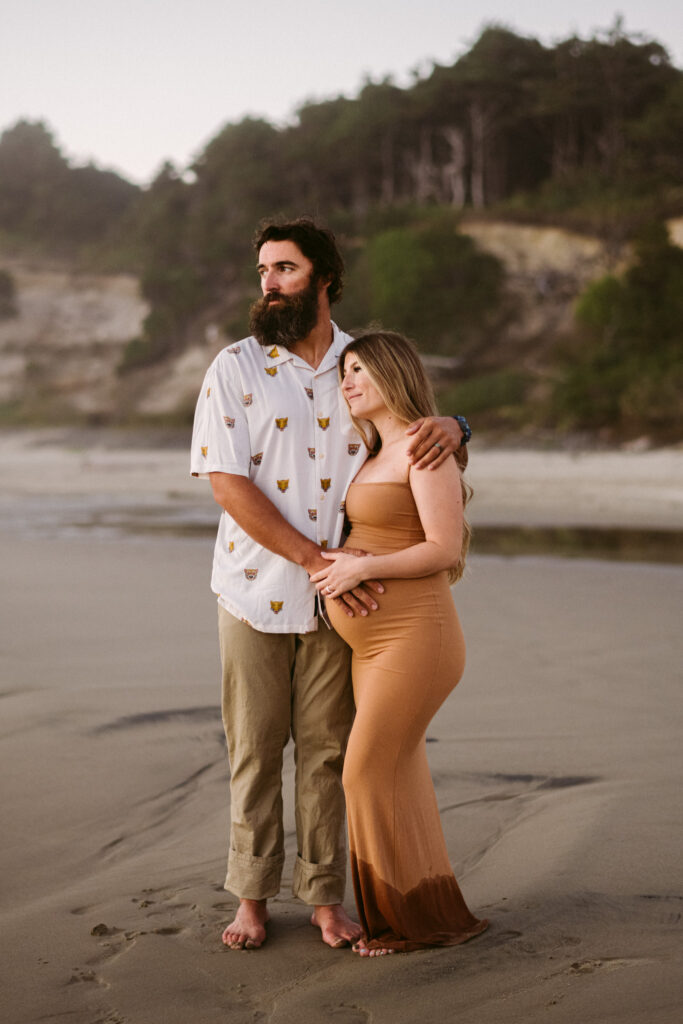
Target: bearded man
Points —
{"points": [[273, 435]]}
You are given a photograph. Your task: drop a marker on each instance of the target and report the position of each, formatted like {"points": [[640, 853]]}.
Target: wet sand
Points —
{"points": [[556, 763]]}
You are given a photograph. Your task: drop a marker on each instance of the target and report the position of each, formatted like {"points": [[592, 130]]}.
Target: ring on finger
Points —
{"points": [[437, 445]]}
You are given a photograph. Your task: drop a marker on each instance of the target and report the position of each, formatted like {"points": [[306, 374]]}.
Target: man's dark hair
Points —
{"points": [[317, 244]]}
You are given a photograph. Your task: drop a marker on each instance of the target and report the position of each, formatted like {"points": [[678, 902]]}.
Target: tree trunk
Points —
{"points": [[360, 202], [422, 168], [565, 159], [388, 185], [453, 172], [477, 183]]}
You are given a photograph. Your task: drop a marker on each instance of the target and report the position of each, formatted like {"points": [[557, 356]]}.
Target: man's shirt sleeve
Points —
{"points": [[220, 437]]}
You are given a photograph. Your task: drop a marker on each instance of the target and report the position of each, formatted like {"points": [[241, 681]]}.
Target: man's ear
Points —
{"points": [[323, 283]]}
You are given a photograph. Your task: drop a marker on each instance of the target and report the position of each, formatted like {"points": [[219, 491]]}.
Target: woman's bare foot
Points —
{"points": [[248, 930], [335, 925], [364, 951]]}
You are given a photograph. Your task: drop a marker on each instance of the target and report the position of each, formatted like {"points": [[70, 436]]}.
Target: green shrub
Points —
{"points": [[427, 280], [625, 369], [490, 392]]}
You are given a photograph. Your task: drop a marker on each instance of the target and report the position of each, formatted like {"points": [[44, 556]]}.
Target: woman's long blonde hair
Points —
{"points": [[394, 367]]}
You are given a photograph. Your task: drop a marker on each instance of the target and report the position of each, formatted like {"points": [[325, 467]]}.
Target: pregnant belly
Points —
{"points": [[410, 611]]}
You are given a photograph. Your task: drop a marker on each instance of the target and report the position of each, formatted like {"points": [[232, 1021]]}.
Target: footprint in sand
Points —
{"points": [[347, 1014], [227, 905], [79, 976], [504, 936], [605, 964], [101, 929]]}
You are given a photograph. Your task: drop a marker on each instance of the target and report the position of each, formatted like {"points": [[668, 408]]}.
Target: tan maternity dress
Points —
{"points": [[407, 657]]}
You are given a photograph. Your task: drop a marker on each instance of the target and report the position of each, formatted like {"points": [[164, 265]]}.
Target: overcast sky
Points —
{"points": [[130, 83]]}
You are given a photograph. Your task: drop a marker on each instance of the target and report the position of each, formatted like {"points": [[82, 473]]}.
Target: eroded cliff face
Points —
{"points": [[546, 269], [59, 355]]}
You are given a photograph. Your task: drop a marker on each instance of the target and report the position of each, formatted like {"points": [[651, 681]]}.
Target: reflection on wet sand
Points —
{"points": [[109, 516], [615, 544]]}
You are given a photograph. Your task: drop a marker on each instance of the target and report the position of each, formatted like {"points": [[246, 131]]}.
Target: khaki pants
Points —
{"points": [[276, 685]]}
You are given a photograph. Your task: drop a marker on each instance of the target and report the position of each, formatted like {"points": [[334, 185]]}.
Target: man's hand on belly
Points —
{"points": [[360, 600]]}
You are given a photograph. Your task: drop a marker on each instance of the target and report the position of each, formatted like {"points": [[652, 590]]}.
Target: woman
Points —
{"points": [[407, 656]]}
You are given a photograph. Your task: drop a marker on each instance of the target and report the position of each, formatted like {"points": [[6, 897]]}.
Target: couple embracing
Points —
{"points": [[303, 432]]}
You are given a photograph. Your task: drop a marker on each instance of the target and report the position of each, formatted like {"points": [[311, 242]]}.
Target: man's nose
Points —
{"points": [[269, 282]]}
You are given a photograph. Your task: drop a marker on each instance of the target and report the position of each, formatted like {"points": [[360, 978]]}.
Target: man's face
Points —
{"points": [[288, 311], [283, 268]]}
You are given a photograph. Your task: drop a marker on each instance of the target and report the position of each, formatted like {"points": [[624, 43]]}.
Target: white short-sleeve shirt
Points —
{"points": [[266, 414]]}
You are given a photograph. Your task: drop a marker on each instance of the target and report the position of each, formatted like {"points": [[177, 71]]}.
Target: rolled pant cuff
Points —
{"points": [[319, 885], [253, 878]]}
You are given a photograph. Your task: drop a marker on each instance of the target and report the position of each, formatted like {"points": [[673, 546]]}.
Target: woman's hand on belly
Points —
{"points": [[345, 573]]}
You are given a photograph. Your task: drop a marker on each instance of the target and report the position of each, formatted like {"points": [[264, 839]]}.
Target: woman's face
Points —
{"points": [[361, 395]]}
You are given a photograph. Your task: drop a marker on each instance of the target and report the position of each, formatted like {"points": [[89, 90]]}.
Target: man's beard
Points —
{"points": [[291, 320]]}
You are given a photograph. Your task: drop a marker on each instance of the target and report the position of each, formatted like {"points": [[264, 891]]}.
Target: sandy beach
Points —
{"points": [[556, 761]]}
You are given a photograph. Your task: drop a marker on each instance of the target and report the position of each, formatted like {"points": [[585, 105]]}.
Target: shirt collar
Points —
{"points": [[276, 354], [331, 357]]}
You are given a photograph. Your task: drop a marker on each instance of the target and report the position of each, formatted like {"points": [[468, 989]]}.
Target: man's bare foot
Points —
{"points": [[336, 926], [362, 950], [248, 930]]}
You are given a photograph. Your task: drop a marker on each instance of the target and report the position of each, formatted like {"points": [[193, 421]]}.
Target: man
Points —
{"points": [[274, 437]]}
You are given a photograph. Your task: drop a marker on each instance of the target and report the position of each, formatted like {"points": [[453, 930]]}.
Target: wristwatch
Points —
{"points": [[466, 429]]}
